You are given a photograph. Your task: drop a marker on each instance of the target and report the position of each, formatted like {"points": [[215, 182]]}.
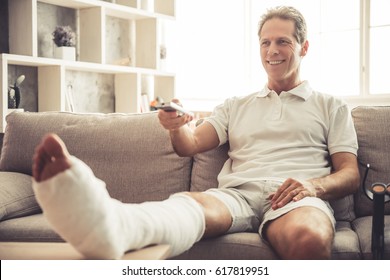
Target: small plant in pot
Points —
{"points": [[64, 38]]}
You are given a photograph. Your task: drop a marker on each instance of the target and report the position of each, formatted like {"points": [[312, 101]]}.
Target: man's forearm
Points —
{"points": [[187, 142], [183, 141], [337, 184]]}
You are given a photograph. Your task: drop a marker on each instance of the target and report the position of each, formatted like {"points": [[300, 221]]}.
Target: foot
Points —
{"points": [[79, 208], [75, 203], [51, 157]]}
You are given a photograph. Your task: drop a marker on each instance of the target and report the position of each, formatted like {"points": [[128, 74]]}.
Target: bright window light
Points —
{"points": [[217, 52], [379, 50], [210, 51], [332, 62]]}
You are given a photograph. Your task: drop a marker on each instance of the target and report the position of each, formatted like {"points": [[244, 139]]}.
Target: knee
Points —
{"points": [[217, 215], [310, 243]]}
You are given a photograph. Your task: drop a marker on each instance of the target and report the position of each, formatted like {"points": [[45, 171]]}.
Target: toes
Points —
{"points": [[40, 159], [54, 147], [51, 149]]}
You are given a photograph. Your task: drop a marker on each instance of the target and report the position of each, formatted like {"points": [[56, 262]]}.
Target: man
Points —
{"points": [[291, 150]]}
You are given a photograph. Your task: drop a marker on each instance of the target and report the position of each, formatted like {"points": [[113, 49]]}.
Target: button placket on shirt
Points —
{"points": [[277, 106]]}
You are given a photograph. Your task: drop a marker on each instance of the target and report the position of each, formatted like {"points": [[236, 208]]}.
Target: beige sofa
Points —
{"points": [[132, 153]]}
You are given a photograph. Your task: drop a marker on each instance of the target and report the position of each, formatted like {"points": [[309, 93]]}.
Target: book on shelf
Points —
{"points": [[145, 103], [69, 98]]}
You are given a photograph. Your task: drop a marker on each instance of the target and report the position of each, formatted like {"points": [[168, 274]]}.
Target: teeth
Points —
{"points": [[275, 62]]}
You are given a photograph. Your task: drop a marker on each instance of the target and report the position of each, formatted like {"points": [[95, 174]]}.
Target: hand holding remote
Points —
{"points": [[172, 106]]}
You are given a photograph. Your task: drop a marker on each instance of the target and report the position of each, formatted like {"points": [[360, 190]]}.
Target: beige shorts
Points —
{"points": [[251, 209]]}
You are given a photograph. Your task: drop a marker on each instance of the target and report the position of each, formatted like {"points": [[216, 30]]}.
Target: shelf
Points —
{"points": [[119, 10], [74, 4], [23, 60], [118, 54]]}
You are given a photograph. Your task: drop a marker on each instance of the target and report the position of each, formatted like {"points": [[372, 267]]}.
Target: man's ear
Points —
{"points": [[304, 49]]}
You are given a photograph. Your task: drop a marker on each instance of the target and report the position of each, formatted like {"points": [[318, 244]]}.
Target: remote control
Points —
{"points": [[172, 106]]}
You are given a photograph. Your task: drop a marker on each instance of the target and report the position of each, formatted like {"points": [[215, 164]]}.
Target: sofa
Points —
{"points": [[132, 153]]}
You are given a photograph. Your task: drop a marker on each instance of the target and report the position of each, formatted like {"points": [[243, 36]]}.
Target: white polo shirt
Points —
{"points": [[275, 137]]}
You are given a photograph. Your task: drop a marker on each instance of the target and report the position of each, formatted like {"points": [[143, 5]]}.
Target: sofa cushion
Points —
{"points": [[362, 227], [343, 208], [207, 166], [250, 246], [372, 127], [132, 153], [234, 246], [16, 196], [33, 228], [345, 243]]}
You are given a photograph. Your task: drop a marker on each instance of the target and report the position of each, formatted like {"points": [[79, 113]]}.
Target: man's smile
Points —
{"points": [[275, 62]]}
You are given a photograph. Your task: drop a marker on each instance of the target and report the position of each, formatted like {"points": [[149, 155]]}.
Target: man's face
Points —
{"points": [[280, 52]]}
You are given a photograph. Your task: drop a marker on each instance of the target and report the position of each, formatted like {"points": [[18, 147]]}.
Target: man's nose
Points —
{"points": [[273, 50]]}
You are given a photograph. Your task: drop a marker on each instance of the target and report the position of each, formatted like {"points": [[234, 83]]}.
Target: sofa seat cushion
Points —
{"points": [[33, 228], [345, 243], [363, 226], [234, 246], [132, 153], [249, 246], [16, 196]]}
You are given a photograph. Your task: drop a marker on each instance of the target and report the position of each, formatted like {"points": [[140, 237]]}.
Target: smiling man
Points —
{"points": [[291, 149], [283, 44]]}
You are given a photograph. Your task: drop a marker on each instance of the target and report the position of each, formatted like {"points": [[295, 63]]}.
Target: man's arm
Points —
{"points": [[342, 181], [185, 141]]}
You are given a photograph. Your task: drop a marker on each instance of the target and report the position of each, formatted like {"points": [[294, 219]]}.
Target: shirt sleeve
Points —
{"points": [[219, 119], [342, 135]]}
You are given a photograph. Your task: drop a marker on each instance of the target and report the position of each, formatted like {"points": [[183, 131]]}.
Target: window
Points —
{"points": [[210, 54], [379, 55], [219, 52], [332, 62]]}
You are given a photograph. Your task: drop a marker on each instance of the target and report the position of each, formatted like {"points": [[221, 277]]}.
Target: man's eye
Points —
{"points": [[264, 43]]}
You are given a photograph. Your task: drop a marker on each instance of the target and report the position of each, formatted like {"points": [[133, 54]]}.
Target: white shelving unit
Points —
{"points": [[92, 15]]}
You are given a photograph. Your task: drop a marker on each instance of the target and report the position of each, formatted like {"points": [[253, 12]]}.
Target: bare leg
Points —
{"points": [[303, 233], [217, 215]]}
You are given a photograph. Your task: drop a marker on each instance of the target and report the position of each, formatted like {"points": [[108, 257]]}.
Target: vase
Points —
{"points": [[65, 53]]}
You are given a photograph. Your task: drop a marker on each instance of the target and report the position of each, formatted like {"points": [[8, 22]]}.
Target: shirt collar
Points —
{"points": [[303, 90]]}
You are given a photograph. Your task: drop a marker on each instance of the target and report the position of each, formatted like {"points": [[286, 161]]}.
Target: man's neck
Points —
{"points": [[279, 86]]}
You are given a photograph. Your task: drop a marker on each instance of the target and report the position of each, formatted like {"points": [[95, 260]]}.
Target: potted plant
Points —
{"points": [[64, 38]]}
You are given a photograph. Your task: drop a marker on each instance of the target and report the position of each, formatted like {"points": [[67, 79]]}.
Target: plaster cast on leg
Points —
{"points": [[80, 210]]}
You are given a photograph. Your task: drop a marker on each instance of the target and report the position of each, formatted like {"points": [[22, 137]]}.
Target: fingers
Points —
{"points": [[290, 190], [172, 120]]}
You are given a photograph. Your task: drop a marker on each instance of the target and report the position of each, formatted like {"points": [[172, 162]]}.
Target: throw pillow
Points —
{"points": [[16, 196]]}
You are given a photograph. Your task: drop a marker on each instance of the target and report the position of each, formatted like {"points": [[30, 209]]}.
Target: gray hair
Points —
{"points": [[287, 13]]}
